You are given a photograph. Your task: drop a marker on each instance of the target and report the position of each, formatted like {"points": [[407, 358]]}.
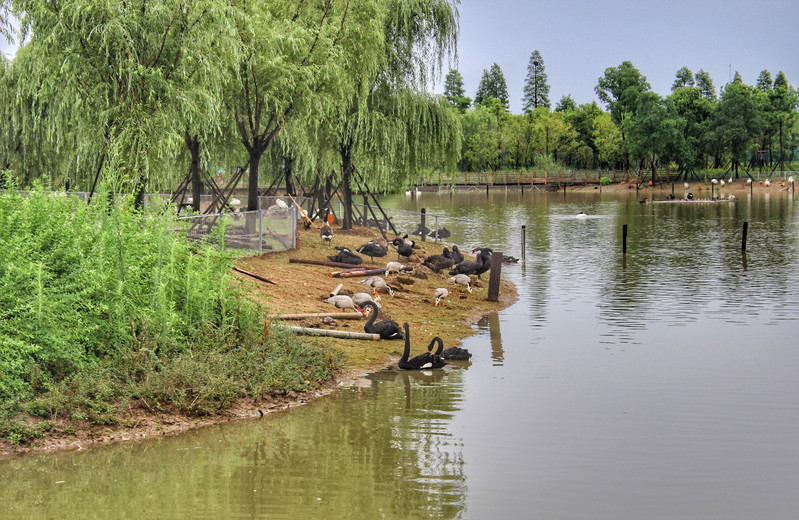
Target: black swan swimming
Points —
{"points": [[439, 262], [388, 329], [420, 362], [454, 353]]}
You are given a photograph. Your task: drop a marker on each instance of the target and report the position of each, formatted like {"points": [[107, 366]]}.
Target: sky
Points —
{"points": [[578, 40]]}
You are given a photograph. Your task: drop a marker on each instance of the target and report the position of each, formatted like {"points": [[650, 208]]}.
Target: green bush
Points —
{"points": [[100, 303], [605, 181]]}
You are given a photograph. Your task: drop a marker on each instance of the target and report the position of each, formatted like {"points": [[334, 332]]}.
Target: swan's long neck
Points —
{"points": [[373, 317], [440, 348], [407, 352]]}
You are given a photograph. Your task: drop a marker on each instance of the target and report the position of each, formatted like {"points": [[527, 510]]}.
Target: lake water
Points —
{"points": [[658, 385]]}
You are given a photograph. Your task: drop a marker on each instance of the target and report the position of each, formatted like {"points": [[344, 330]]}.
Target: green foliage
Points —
{"points": [[605, 181], [536, 88], [100, 303], [492, 85]]}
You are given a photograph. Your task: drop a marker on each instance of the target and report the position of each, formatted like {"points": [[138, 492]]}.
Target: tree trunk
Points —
{"points": [[288, 170], [193, 144], [346, 179], [252, 189]]}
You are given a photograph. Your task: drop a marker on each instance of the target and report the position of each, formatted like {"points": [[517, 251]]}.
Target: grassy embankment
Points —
{"points": [[104, 311], [110, 319]]}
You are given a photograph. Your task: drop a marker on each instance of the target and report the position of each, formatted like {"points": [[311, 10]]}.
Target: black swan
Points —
{"points": [[484, 253], [417, 362], [345, 256], [439, 262], [468, 266], [457, 255], [388, 329], [403, 248], [441, 233], [372, 250], [454, 353]]}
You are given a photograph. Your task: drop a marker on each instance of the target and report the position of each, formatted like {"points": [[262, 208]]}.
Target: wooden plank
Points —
{"points": [[303, 315], [333, 333]]}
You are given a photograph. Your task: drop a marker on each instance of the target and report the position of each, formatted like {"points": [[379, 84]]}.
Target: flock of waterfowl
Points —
{"points": [[450, 260]]}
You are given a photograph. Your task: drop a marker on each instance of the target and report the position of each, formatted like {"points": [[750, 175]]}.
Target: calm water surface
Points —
{"points": [[660, 385]]}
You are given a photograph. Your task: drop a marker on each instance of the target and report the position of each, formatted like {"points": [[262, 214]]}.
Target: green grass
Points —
{"points": [[101, 304]]}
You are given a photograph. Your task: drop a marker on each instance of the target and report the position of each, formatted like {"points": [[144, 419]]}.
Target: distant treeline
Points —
{"points": [[693, 128]]}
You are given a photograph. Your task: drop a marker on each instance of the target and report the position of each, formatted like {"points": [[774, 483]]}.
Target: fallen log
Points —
{"points": [[332, 333], [335, 291], [256, 276], [326, 263], [347, 273], [303, 315]]}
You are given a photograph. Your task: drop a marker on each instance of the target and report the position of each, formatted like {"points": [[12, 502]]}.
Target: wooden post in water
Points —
{"points": [[424, 214], [486, 190], [624, 239], [524, 243], [743, 237], [495, 276]]}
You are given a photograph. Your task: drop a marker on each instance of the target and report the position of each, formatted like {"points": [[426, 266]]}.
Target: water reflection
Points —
{"points": [[490, 322], [376, 450]]}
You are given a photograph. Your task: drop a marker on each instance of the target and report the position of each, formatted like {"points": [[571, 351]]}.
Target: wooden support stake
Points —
{"points": [[424, 214], [332, 333], [494, 277], [743, 238], [624, 239], [524, 243]]}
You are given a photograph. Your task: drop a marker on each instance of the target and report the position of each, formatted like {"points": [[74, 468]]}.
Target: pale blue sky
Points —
{"points": [[578, 40]]}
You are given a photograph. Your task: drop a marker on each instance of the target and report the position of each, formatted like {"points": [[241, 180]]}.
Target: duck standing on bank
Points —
{"points": [[441, 296], [462, 282], [377, 284]]}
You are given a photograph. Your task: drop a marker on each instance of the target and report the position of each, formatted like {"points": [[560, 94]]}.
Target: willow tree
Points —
{"points": [[122, 78], [393, 129], [298, 60]]}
